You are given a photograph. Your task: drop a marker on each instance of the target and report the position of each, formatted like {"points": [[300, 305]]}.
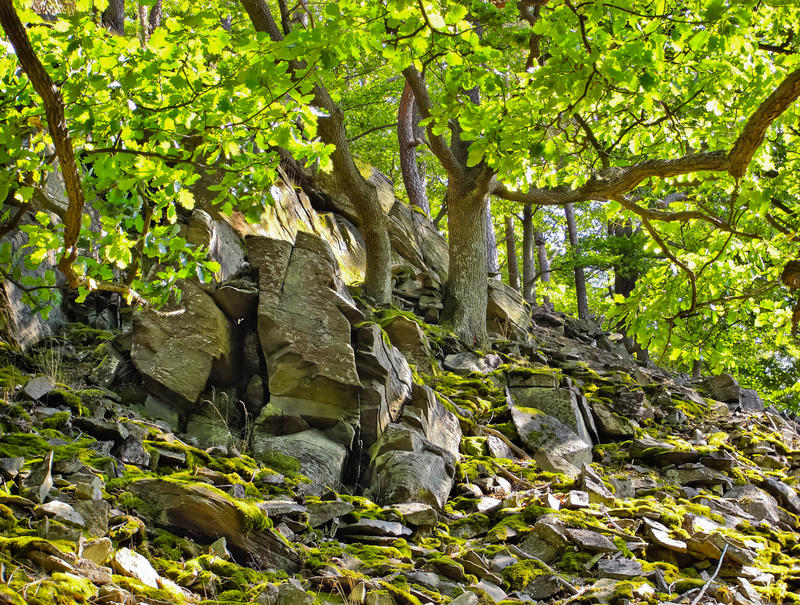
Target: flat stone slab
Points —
{"points": [[38, 387], [619, 569], [375, 527], [591, 541]]}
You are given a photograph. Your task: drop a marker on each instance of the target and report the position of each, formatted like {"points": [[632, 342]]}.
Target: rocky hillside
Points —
{"points": [[547, 470], [273, 439]]}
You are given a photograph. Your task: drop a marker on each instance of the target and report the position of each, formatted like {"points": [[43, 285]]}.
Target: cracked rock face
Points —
{"points": [[177, 354], [304, 323]]}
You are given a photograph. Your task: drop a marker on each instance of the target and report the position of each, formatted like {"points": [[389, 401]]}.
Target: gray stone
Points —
{"points": [[722, 387], [427, 413], [467, 362], [507, 313], [321, 458], [304, 324], [95, 514], [321, 512], [619, 569], [38, 387], [63, 512], [498, 448], [10, 467], [611, 425], [407, 335], [594, 486], [201, 510], [417, 514], [386, 378], [130, 563], [223, 243], [420, 475], [522, 377], [786, 494], [179, 353], [374, 527], [131, 451], [291, 593], [465, 598], [750, 401], [19, 323], [755, 501], [98, 551], [237, 298], [591, 541], [492, 590], [558, 403], [556, 447], [537, 547], [543, 587]]}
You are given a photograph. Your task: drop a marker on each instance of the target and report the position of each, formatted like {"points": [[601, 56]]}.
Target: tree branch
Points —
{"points": [[615, 182], [437, 143], [57, 126]]}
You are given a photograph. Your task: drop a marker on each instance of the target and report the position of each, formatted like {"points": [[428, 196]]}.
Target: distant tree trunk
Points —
{"points": [[466, 291], [528, 258], [544, 263], [492, 260], [156, 14], [407, 139], [114, 17], [580, 279], [511, 253]]}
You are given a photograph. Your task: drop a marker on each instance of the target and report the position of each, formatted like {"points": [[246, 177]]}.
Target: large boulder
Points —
{"points": [[555, 446], [304, 324], [386, 378], [208, 512], [321, 458], [20, 324], [407, 467], [224, 245], [507, 313], [414, 460], [415, 239], [178, 352], [407, 335], [559, 403]]}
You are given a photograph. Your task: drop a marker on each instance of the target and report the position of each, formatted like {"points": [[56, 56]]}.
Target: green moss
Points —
{"points": [[519, 575], [574, 561], [26, 445], [58, 420], [507, 527]]}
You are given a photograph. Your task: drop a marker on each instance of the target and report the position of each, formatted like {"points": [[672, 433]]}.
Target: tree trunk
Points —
{"points": [[413, 178], [580, 279], [511, 253], [492, 260], [544, 263], [364, 196], [466, 288], [114, 17], [156, 13], [373, 221], [528, 261]]}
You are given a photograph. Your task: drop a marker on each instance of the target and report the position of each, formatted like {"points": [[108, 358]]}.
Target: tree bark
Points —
{"points": [[466, 288], [57, 127], [114, 17], [511, 253], [544, 263], [528, 258], [363, 195], [492, 260], [580, 278], [407, 140]]}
